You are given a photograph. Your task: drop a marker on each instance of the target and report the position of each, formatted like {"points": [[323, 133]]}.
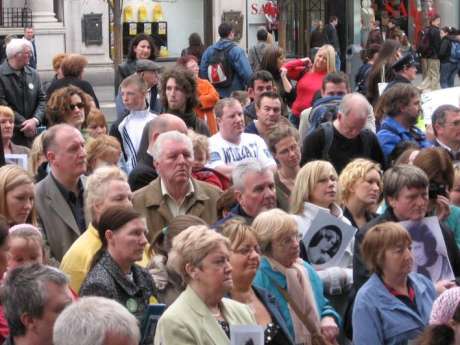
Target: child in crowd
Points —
{"points": [[26, 246], [201, 157], [96, 124]]}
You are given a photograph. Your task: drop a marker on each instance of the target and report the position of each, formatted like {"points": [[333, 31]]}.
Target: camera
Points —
{"points": [[436, 189]]}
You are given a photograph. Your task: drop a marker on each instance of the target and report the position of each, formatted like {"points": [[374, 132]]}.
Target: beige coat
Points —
{"points": [[188, 321], [149, 201]]}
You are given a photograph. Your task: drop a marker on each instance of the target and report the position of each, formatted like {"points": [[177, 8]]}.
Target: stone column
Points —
{"points": [[43, 14]]}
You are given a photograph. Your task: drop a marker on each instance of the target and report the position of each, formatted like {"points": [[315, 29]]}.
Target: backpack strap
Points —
{"points": [[328, 130], [366, 140]]}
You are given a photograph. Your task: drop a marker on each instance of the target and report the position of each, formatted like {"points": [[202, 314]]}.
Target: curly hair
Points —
{"points": [[135, 41], [73, 65], [353, 172], [58, 105], [184, 80]]}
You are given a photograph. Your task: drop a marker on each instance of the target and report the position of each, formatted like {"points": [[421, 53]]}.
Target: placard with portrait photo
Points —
{"points": [[326, 240], [429, 249], [246, 335]]}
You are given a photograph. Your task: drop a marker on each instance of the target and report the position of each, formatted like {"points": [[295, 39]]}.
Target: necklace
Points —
{"points": [[288, 182]]}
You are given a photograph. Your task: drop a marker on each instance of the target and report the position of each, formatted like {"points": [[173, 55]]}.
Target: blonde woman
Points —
{"points": [[310, 78], [293, 282], [360, 189], [7, 128], [201, 315], [315, 190], [17, 195]]}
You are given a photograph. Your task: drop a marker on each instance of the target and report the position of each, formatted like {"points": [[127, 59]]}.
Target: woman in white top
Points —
{"points": [[316, 189]]}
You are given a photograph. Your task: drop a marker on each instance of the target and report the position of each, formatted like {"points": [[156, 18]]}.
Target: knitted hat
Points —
{"points": [[444, 306]]}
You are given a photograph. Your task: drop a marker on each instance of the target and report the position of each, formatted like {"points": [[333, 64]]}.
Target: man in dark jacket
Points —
{"points": [[332, 38], [178, 96], [21, 90], [236, 56], [431, 57], [406, 196]]}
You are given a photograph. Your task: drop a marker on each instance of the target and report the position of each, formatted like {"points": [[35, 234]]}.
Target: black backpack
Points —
{"points": [[365, 136], [220, 70], [423, 43], [324, 110]]}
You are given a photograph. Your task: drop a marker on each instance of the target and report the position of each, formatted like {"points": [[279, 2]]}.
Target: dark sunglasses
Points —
{"points": [[78, 105]]}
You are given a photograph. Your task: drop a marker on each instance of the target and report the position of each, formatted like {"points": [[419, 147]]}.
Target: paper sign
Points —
{"points": [[18, 159], [326, 240], [434, 99], [246, 335], [429, 249]]}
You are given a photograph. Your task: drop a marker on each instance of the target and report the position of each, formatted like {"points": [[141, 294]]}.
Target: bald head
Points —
{"points": [[352, 115], [165, 123]]}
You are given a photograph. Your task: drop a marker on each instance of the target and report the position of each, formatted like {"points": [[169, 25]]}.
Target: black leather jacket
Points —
{"points": [[22, 91]]}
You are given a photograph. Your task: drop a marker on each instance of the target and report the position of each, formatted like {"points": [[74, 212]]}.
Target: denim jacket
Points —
{"points": [[379, 318]]}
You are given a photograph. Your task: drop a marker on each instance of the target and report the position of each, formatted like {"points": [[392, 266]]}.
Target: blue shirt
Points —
{"points": [[391, 133]]}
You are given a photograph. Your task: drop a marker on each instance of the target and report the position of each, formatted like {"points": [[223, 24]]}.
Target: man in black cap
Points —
{"points": [[405, 71], [149, 71]]}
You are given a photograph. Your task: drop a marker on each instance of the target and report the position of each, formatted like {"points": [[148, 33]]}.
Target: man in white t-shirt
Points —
{"points": [[230, 145]]}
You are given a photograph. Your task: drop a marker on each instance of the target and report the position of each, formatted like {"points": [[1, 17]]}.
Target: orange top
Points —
{"points": [[208, 97]]}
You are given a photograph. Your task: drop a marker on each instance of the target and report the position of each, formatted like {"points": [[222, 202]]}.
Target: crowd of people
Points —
{"points": [[231, 190]]}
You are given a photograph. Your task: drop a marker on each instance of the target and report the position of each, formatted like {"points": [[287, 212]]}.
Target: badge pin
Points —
{"points": [[31, 86], [131, 304]]}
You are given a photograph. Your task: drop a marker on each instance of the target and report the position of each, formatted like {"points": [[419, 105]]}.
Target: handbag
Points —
{"points": [[316, 337]]}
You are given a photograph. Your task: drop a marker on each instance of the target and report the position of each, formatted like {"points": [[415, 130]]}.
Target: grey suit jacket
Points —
{"points": [[188, 321], [56, 218]]}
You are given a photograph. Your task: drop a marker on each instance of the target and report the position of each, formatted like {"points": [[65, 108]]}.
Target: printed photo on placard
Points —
{"points": [[326, 240], [429, 249], [18, 159], [246, 335]]}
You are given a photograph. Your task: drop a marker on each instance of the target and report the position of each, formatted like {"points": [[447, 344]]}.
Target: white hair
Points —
{"points": [[17, 45], [157, 149], [90, 319], [241, 170], [97, 187], [349, 101]]}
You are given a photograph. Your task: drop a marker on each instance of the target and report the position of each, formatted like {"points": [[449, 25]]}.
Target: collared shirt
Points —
{"points": [[75, 202], [176, 208], [455, 155]]}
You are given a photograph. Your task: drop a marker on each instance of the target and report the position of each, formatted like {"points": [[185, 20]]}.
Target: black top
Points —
{"points": [[82, 84], [142, 174], [106, 279], [75, 202], [343, 150], [435, 42]]}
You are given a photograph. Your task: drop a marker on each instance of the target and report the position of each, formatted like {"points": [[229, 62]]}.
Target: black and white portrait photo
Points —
{"points": [[246, 335], [326, 240], [324, 245], [429, 250]]}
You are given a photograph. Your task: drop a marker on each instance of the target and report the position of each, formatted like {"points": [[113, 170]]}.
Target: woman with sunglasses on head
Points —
{"points": [[68, 105]]}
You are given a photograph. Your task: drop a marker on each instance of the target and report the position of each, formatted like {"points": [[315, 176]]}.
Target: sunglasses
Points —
{"points": [[78, 105]]}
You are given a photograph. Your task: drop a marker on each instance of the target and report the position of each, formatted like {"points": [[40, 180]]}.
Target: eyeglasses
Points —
{"points": [[78, 105], [286, 241]]}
